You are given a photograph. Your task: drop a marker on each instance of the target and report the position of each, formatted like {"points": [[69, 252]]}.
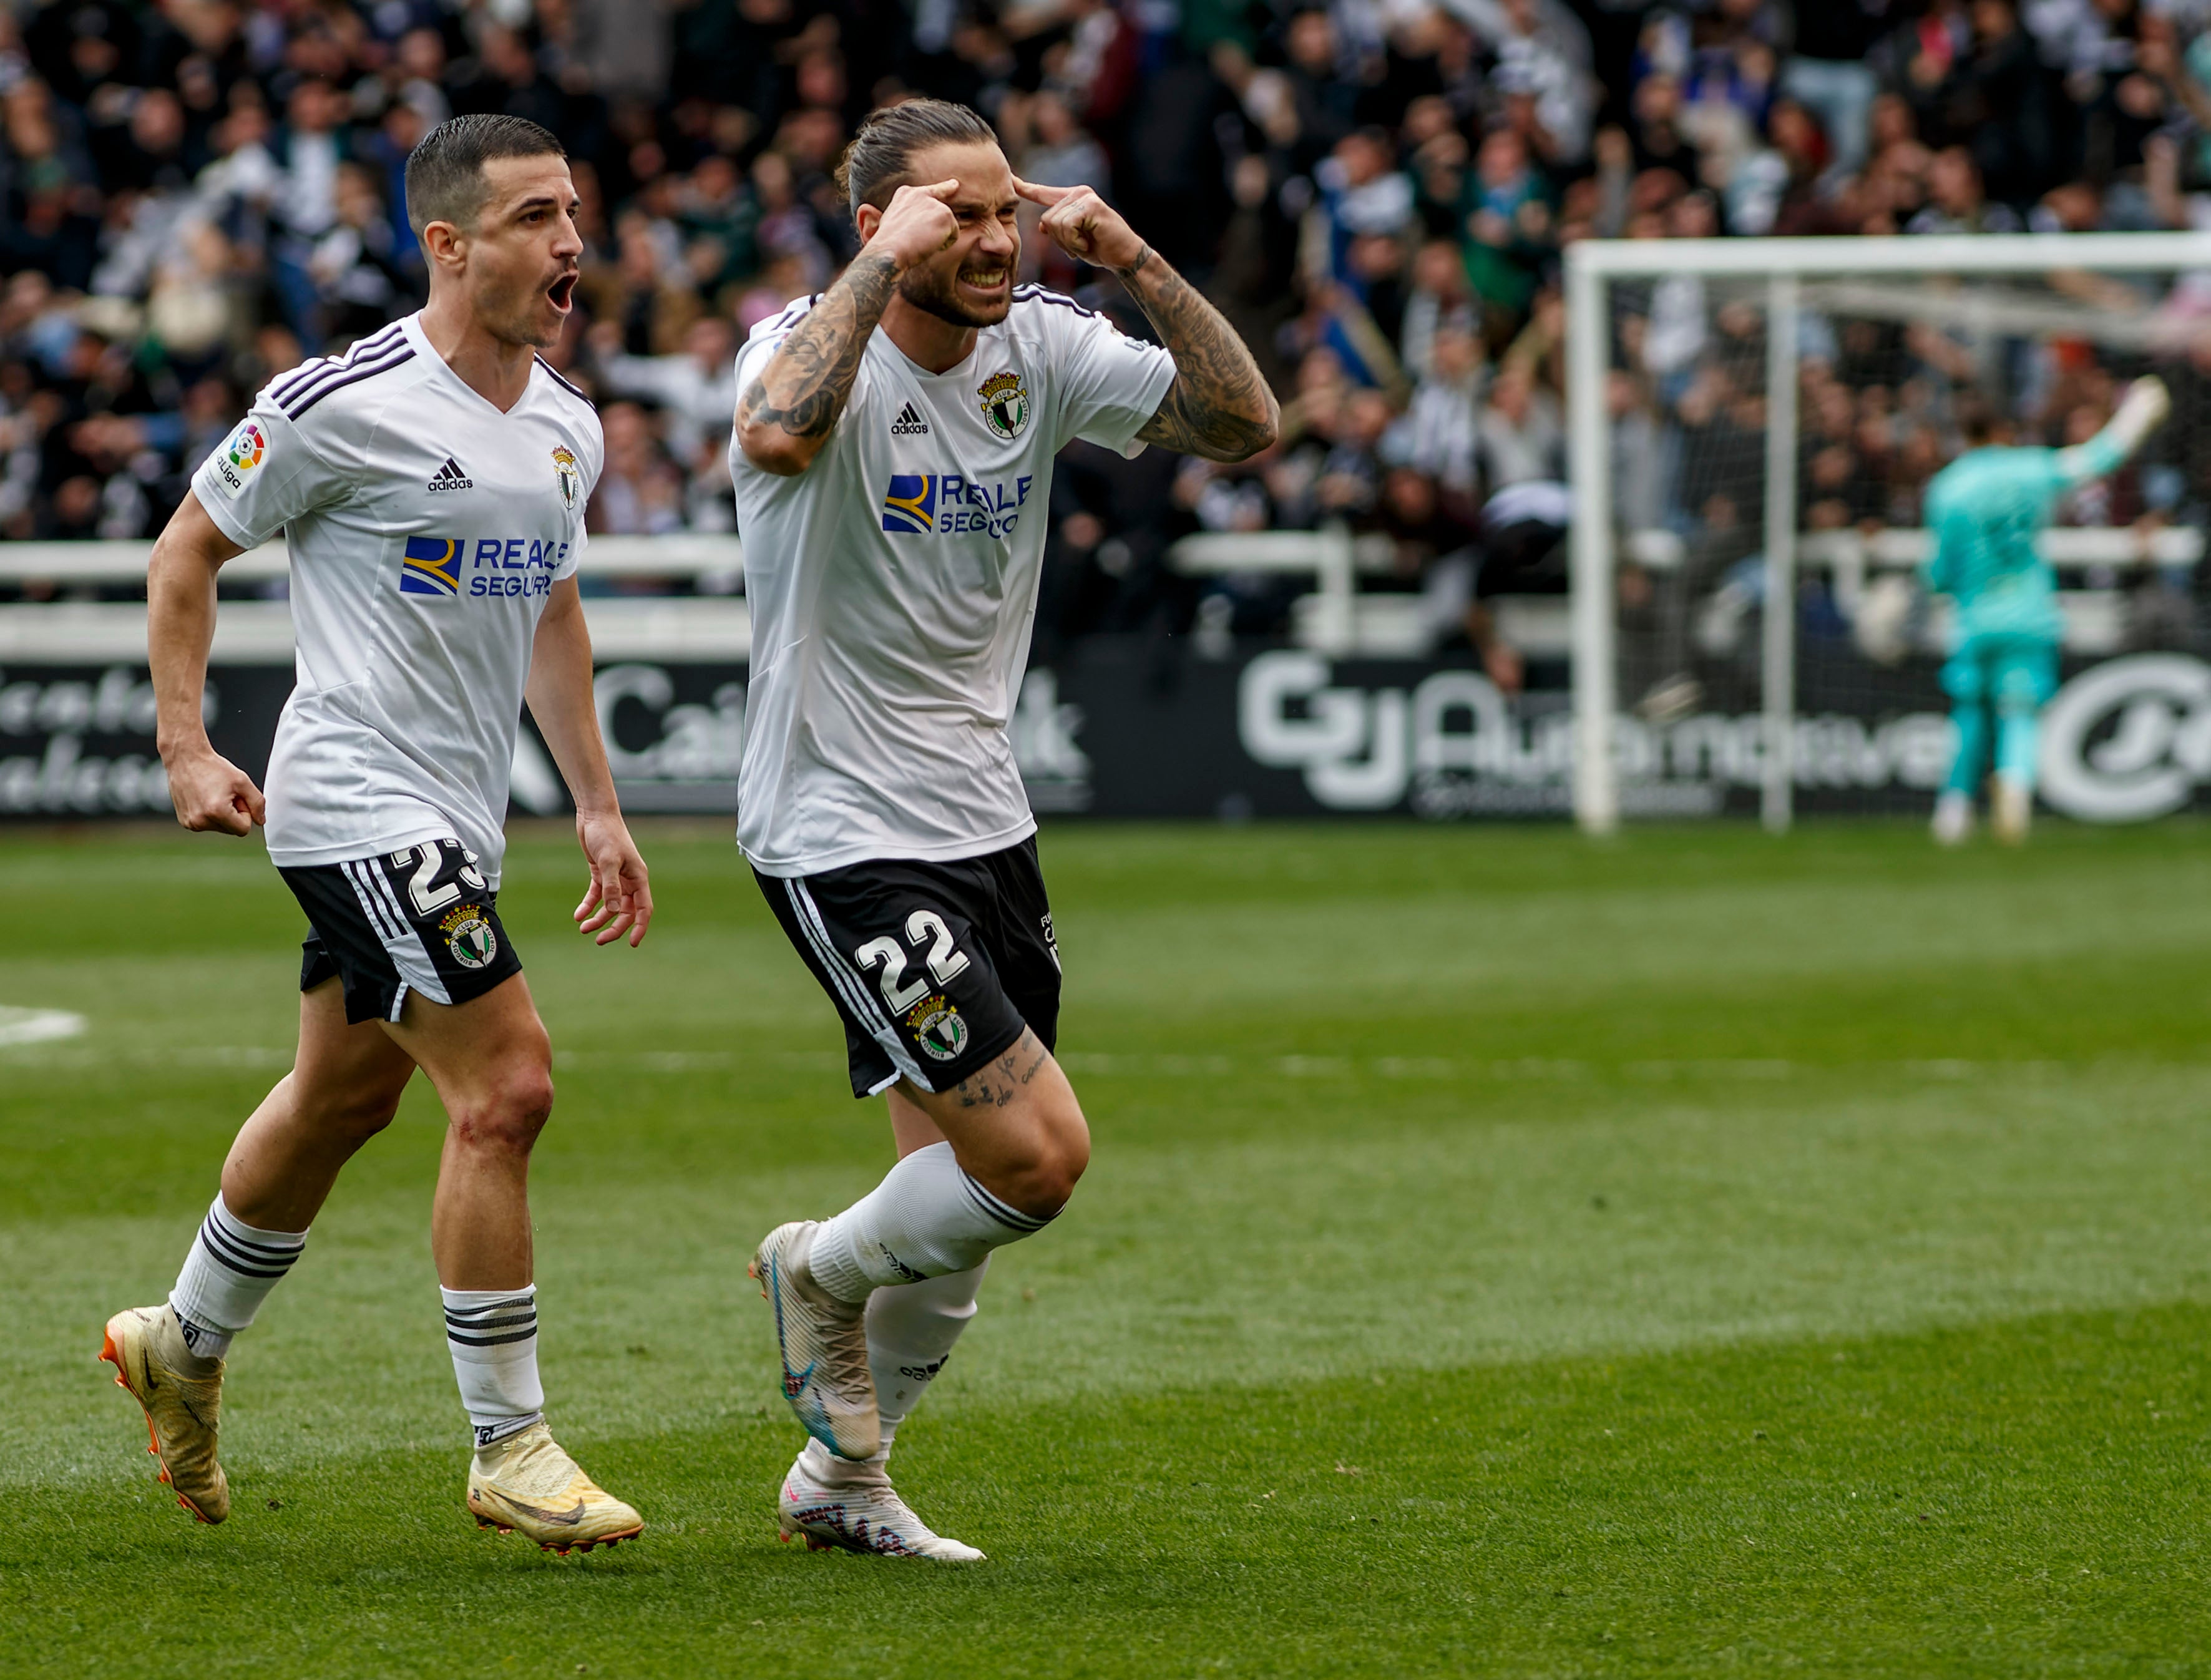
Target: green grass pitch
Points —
{"points": [[1503, 1255]]}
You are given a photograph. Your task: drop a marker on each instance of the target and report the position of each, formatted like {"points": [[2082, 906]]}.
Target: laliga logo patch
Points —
{"points": [[571, 477], [243, 453], [247, 448], [938, 1028], [468, 937], [1005, 404]]}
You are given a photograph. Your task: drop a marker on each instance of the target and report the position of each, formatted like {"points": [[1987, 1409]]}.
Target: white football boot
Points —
{"points": [[824, 1344], [853, 1507]]}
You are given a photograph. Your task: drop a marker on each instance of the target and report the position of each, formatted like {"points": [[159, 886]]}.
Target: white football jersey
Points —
{"points": [[426, 531], [894, 583]]}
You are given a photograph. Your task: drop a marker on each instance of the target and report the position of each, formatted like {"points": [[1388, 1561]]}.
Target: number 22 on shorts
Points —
{"points": [[944, 962]]}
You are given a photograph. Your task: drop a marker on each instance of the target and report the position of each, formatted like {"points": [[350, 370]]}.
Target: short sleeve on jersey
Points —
{"points": [[752, 354], [1111, 385], [263, 475], [767, 339]]}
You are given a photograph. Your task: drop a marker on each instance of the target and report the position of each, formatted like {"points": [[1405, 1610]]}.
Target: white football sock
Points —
{"points": [[228, 1274], [911, 1331], [926, 1218], [492, 1334]]}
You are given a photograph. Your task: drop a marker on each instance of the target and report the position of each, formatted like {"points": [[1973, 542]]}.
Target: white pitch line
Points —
{"points": [[38, 1026]]}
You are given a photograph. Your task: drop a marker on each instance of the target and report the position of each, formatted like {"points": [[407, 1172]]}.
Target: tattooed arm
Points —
{"points": [[1218, 406], [786, 414]]}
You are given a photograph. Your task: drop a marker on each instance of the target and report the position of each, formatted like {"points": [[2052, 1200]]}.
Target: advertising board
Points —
{"points": [[1140, 729]]}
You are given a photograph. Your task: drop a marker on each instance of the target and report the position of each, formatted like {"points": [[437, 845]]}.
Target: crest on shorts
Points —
{"points": [[938, 1028], [468, 937], [571, 477], [1005, 404]]}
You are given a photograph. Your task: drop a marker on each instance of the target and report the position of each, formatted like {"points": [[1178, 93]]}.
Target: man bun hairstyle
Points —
{"points": [[880, 160], [445, 171]]}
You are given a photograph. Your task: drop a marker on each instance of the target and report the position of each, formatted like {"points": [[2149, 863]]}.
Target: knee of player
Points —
{"points": [[509, 1113], [1057, 1156], [1067, 1167]]}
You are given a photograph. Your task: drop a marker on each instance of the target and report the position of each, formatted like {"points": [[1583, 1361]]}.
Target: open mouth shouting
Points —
{"points": [[562, 292]]}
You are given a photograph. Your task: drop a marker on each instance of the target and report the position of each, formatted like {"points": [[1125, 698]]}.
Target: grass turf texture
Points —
{"points": [[1503, 1255]]}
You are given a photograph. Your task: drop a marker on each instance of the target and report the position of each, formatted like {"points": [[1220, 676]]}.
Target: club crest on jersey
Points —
{"points": [[571, 477], [1005, 404], [468, 937], [431, 566], [938, 1028], [239, 457]]}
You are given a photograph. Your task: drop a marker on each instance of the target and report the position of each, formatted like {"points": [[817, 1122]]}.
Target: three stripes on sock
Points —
{"points": [[231, 1268], [492, 1333]]}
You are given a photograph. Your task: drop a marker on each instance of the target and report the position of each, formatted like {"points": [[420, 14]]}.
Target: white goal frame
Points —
{"points": [[1591, 266]]}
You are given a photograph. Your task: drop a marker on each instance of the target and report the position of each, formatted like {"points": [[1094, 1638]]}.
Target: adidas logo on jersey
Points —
{"points": [[909, 424], [451, 477]]}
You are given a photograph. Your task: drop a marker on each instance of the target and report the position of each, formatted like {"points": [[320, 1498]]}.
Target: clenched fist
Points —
{"points": [[210, 791], [916, 225], [1083, 224]]}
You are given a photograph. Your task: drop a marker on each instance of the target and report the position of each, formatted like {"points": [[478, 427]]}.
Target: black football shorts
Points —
{"points": [[418, 920], [935, 967]]}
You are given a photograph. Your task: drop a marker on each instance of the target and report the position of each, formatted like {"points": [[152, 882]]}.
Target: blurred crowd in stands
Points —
{"points": [[196, 194]]}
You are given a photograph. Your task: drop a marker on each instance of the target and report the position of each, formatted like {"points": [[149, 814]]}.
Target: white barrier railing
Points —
{"points": [[67, 564], [259, 633], [2123, 547], [1337, 619]]}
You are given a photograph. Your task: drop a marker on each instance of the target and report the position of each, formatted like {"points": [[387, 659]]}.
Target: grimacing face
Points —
{"points": [[521, 256], [972, 283]]}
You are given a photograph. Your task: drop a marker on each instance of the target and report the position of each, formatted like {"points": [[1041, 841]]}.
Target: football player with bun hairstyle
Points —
{"points": [[892, 459], [430, 485]]}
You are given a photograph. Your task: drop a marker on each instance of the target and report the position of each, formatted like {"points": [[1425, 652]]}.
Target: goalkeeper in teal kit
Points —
{"points": [[1985, 510]]}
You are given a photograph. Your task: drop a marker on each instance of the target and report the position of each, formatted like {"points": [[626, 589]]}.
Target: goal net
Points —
{"points": [[1753, 425]]}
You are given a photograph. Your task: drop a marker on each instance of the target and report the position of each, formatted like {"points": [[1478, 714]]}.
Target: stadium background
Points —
{"points": [[1701, 1252], [193, 196]]}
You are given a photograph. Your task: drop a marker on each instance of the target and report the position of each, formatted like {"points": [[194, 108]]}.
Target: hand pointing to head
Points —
{"points": [[1084, 225], [918, 223]]}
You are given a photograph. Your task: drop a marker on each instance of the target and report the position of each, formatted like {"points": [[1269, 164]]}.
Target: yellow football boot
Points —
{"points": [[146, 1346], [527, 1482]]}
